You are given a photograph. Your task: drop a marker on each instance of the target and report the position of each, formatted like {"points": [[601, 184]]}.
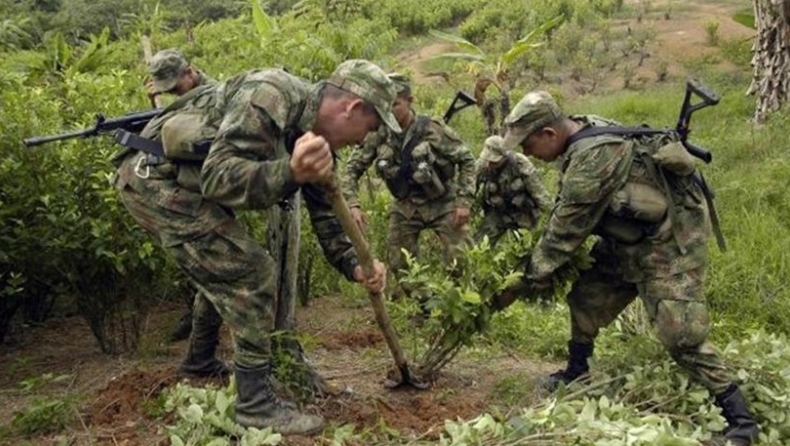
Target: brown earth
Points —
{"points": [[120, 395]]}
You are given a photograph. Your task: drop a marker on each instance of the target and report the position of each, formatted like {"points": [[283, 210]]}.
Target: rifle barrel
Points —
{"points": [[39, 140]]}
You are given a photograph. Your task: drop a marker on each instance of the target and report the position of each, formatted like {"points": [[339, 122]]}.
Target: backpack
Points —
{"points": [[662, 152]]}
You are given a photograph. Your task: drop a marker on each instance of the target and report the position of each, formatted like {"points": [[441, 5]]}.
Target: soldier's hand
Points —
{"points": [[359, 218], [311, 161], [460, 217], [377, 282]]}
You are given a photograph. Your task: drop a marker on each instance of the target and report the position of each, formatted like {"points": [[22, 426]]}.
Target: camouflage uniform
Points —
{"points": [[248, 167], [661, 258], [441, 180], [511, 191], [252, 121]]}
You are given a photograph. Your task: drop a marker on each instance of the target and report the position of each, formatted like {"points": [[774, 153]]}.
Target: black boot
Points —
{"points": [[577, 368], [183, 329], [201, 358], [742, 429], [257, 405]]}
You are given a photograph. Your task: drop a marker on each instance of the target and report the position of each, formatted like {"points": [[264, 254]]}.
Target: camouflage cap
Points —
{"points": [[368, 81], [400, 80], [493, 149], [165, 68], [535, 110]]}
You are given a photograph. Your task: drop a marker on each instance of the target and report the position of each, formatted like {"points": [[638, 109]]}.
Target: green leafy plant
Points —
{"points": [[204, 416]]}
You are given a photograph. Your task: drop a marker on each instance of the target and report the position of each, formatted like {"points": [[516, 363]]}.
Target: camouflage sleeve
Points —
{"points": [[337, 248], [358, 162], [588, 184], [448, 145], [242, 169], [534, 182]]}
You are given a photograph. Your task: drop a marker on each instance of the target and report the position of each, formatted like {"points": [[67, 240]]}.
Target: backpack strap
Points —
{"points": [[590, 132]]}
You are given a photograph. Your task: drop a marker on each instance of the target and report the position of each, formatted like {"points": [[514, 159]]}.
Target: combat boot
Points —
{"points": [[183, 329], [201, 357], [577, 368], [257, 405], [742, 429]]}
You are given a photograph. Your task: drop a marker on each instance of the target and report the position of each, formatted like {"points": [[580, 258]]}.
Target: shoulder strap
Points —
{"points": [[590, 132]]}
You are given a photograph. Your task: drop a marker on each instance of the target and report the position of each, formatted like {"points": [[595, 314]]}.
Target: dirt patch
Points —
{"points": [[354, 340], [415, 61], [125, 396]]}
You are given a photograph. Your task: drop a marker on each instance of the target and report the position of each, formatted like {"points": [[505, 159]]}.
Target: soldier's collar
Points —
{"points": [[310, 110]]}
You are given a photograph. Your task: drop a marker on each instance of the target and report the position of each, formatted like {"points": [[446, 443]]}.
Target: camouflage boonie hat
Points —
{"points": [[493, 149], [535, 110], [165, 68], [368, 81], [401, 81]]}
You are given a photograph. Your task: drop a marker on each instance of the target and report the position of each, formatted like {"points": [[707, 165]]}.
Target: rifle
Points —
{"points": [[709, 98], [461, 101], [132, 122]]}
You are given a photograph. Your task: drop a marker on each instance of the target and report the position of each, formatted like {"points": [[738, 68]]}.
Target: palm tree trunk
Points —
{"points": [[771, 57]]}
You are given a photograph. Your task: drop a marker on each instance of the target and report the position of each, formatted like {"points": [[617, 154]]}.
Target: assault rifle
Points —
{"points": [[133, 122]]}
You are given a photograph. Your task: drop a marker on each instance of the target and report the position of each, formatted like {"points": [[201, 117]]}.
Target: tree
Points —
{"points": [[495, 69], [771, 59]]}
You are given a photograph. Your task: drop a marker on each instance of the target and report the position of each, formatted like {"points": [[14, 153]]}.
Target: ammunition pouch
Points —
{"points": [[425, 175]]}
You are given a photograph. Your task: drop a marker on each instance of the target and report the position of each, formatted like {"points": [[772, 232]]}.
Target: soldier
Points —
{"points": [[511, 191], [272, 134], [428, 170], [653, 225], [171, 73]]}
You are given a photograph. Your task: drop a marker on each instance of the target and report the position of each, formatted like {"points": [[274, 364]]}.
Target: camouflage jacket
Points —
{"points": [[594, 173], [442, 166], [256, 115], [513, 190]]}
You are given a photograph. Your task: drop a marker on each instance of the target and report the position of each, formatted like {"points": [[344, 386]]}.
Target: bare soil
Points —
{"points": [[120, 395]]}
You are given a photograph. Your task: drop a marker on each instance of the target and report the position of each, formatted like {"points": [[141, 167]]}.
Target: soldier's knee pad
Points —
{"points": [[681, 325]]}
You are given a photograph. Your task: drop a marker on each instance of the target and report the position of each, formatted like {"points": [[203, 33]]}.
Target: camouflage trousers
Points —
{"points": [[227, 266], [238, 277], [495, 225], [675, 305], [408, 220]]}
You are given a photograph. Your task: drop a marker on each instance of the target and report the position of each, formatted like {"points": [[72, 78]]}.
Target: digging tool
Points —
{"points": [[351, 229]]}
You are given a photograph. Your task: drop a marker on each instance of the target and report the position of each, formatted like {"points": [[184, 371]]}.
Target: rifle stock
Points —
{"points": [[709, 98], [461, 101]]}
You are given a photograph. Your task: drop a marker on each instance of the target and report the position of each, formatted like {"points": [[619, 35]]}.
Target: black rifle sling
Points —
{"points": [[645, 131], [134, 141]]}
